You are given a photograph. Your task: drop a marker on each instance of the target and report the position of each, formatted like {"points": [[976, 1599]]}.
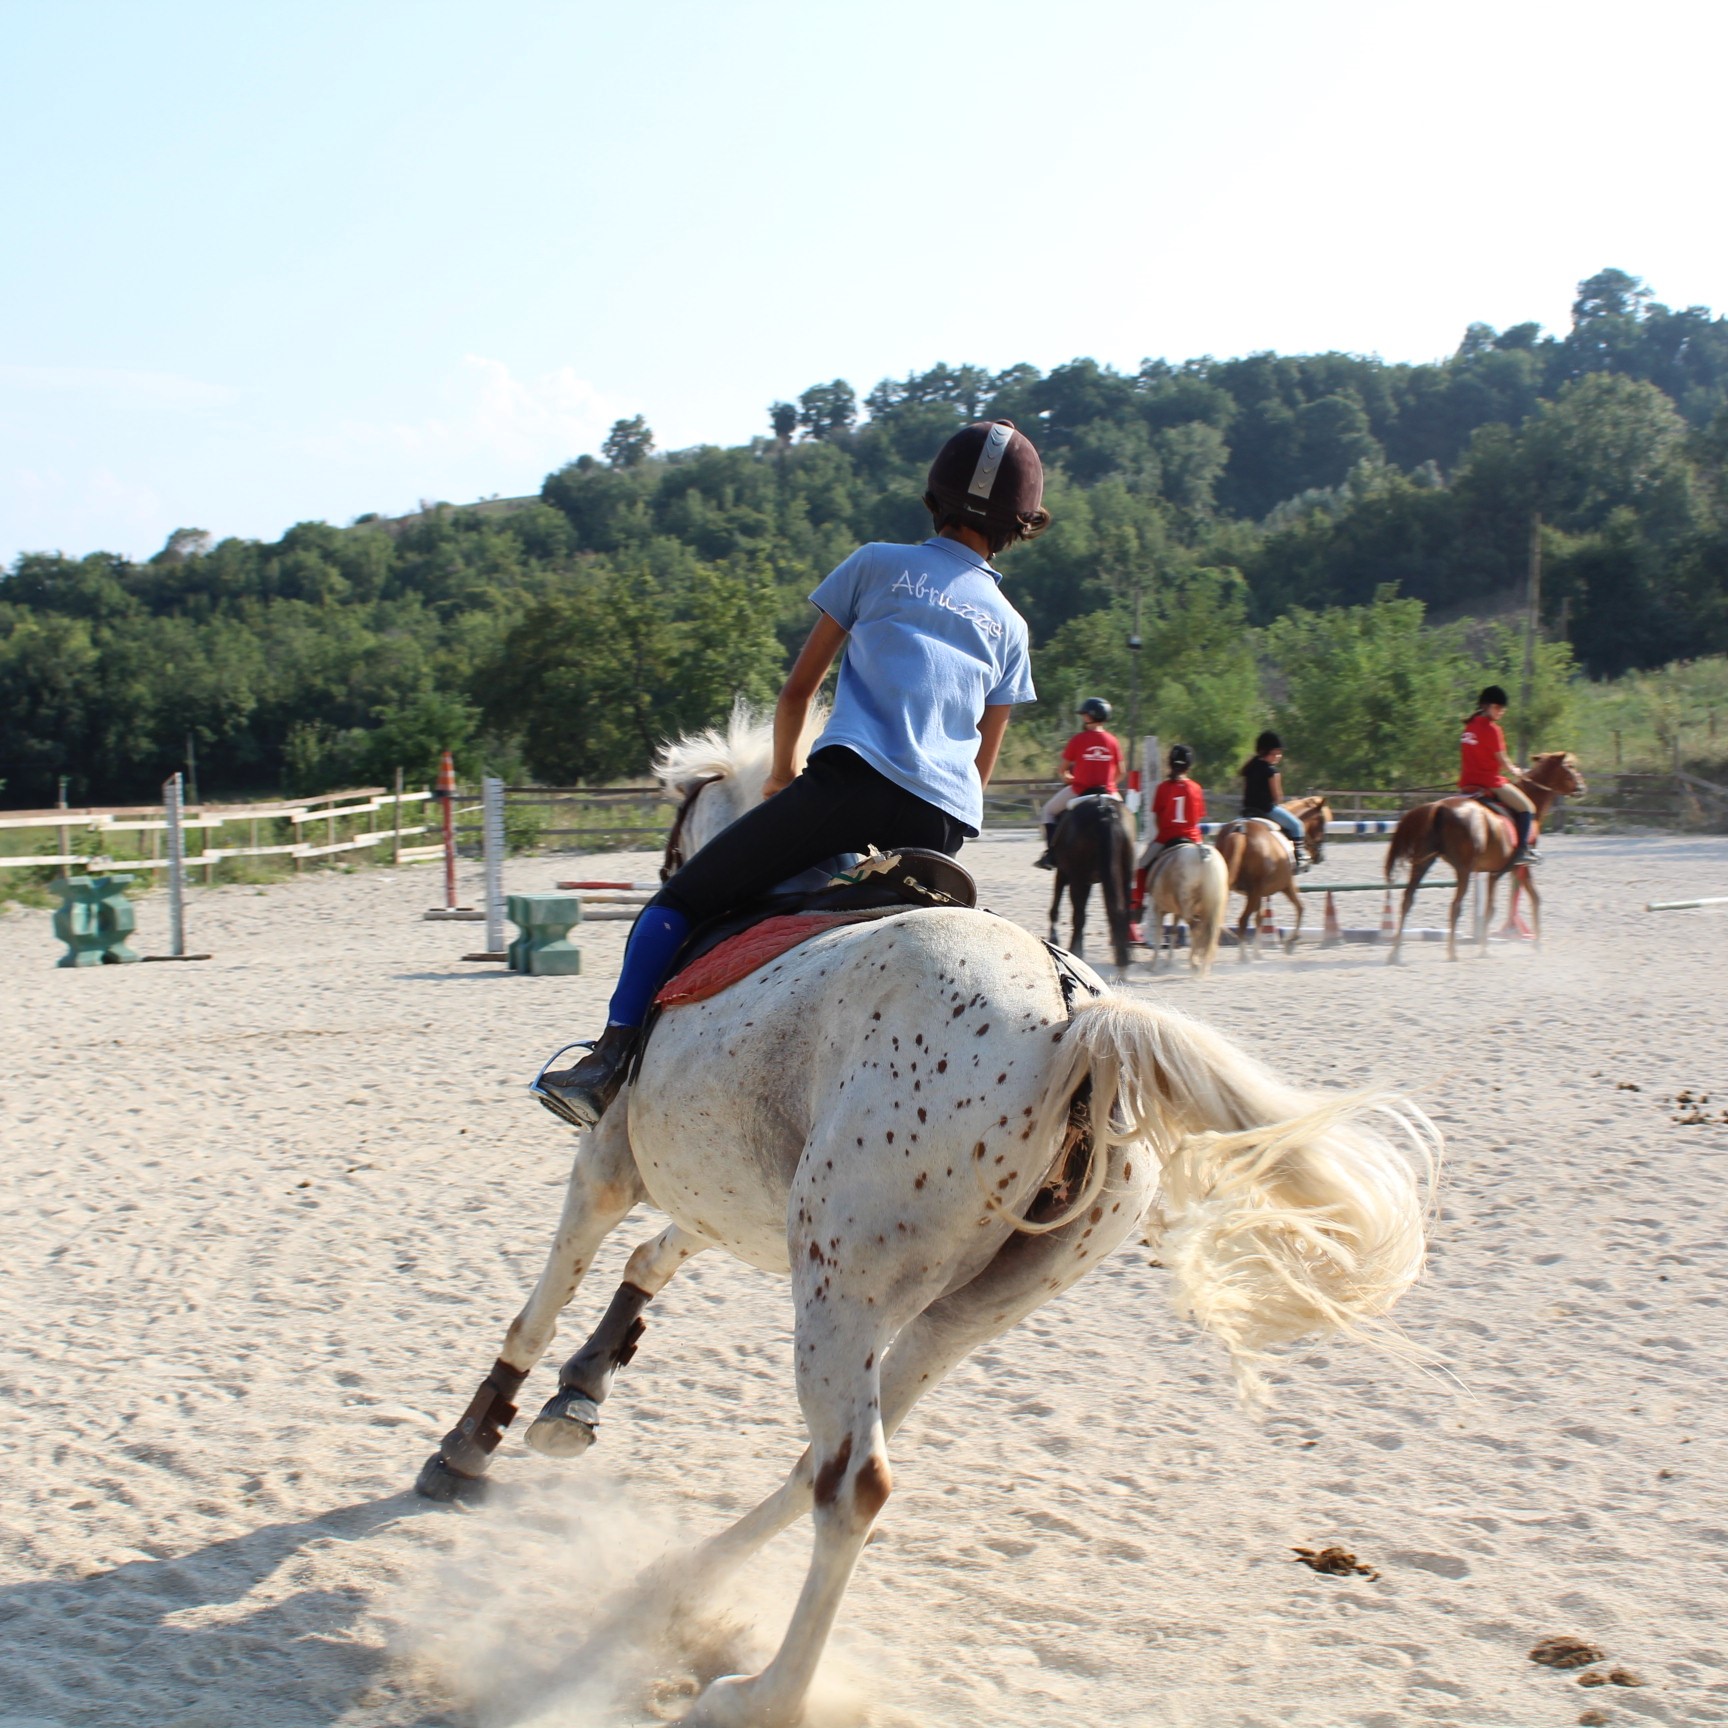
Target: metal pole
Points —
{"points": [[171, 798], [65, 833], [396, 849], [1134, 645], [492, 826]]}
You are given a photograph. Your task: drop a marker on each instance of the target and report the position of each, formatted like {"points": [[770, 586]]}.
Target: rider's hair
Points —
{"points": [[1181, 760]]}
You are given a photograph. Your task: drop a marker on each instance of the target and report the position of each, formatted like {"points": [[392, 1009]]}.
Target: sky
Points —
{"points": [[292, 260]]}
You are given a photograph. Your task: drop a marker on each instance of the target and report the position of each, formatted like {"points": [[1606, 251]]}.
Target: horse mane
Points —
{"points": [[1308, 801], [742, 751]]}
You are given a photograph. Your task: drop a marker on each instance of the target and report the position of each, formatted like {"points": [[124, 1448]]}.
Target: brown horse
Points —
{"points": [[1260, 865], [1474, 838]]}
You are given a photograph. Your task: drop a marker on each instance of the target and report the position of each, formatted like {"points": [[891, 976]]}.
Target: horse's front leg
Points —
{"points": [[1529, 881], [567, 1423], [1293, 895], [1488, 913], [604, 1185], [1056, 888], [1250, 907], [1452, 911]]}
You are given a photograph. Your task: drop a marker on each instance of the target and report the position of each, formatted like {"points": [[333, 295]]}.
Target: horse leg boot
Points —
{"points": [[604, 1185], [567, 1424]]}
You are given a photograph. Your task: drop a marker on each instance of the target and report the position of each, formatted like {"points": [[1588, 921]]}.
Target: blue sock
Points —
{"points": [[654, 943]]}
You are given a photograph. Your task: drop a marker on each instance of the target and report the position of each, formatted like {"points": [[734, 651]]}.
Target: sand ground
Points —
{"points": [[266, 1217]]}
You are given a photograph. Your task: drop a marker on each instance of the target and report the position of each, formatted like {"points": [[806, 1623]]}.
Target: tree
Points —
{"points": [[827, 410], [628, 443], [1371, 698], [783, 417]]}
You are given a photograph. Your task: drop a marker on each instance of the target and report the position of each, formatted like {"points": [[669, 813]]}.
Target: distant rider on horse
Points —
{"points": [[1178, 807], [1486, 771], [1091, 762], [934, 657], [1263, 792]]}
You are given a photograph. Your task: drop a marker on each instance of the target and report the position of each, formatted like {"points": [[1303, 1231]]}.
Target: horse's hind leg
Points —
{"points": [[568, 1421], [1056, 888], [604, 1185], [1079, 894], [1293, 895]]}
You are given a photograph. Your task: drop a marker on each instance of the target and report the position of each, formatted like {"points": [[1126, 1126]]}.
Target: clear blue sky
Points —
{"points": [[267, 260]]}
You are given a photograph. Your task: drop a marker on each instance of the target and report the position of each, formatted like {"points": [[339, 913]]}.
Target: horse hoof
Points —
{"points": [[565, 1428], [437, 1481]]}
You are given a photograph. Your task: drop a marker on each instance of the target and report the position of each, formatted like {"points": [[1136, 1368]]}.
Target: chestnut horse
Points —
{"points": [[1261, 864], [1474, 839]]}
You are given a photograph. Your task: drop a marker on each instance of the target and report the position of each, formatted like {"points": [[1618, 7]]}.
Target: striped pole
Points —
{"points": [[446, 795]]}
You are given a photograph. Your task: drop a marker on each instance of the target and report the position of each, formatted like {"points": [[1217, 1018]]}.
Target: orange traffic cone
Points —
{"points": [[1331, 935], [1388, 924]]}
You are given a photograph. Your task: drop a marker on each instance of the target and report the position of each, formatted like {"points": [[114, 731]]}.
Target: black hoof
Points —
{"points": [[437, 1481], [566, 1425]]}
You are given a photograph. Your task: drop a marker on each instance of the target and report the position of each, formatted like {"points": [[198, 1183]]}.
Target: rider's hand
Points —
{"points": [[776, 782]]}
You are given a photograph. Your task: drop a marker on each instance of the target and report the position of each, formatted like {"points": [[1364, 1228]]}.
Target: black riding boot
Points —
{"points": [[580, 1094], [1048, 861], [1526, 853]]}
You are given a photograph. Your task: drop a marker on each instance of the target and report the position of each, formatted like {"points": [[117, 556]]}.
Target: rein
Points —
{"points": [[674, 859]]}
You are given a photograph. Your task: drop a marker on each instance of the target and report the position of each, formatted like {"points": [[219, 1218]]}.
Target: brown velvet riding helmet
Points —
{"points": [[988, 477]]}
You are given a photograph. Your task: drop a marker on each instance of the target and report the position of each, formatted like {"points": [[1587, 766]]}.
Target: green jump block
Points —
{"points": [[94, 920], [544, 948]]}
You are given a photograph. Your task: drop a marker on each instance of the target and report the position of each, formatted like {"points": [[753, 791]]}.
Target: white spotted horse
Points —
{"points": [[932, 1127]]}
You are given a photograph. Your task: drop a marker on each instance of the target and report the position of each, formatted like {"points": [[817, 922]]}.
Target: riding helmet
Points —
{"points": [[1181, 759], [1095, 708], [988, 476], [1493, 696]]}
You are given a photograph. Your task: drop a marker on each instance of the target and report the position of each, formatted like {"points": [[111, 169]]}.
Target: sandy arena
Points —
{"points": [[267, 1217]]}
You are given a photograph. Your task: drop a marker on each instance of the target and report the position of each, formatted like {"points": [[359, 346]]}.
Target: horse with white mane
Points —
{"points": [[911, 1119]]}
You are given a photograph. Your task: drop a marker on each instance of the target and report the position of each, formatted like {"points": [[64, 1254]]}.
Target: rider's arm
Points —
{"points": [[1275, 786], [990, 730], [1507, 766], [796, 694]]}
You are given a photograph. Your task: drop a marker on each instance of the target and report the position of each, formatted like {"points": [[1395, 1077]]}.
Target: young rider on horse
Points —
{"points": [[934, 657], [1178, 809], [1263, 792], [1485, 770], [1091, 762]]}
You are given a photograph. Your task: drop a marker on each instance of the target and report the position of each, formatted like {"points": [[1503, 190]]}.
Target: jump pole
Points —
{"points": [[173, 789], [492, 842], [1685, 905]]}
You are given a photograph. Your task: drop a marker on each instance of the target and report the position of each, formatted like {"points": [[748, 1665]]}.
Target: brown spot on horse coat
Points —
{"points": [[833, 1473], [872, 1486]]}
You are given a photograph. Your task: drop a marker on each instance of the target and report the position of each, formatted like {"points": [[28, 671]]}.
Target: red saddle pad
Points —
{"points": [[738, 956]]}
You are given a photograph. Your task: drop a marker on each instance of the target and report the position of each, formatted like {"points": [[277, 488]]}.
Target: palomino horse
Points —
{"points": [[1092, 844], [909, 1120], [1191, 883], [1472, 839], [1260, 863]]}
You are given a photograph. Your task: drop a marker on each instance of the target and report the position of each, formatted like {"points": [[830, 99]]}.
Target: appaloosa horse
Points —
{"points": [[1476, 839], [1092, 844], [1261, 864], [931, 1127]]}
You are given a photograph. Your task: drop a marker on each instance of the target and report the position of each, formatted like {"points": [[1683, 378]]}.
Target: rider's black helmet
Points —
{"points": [[1181, 760], [988, 477], [1267, 740], [1493, 695], [1095, 708]]}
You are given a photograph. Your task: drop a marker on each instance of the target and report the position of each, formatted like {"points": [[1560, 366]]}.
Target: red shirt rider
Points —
{"points": [[1480, 750], [1095, 756], [1179, 807]]}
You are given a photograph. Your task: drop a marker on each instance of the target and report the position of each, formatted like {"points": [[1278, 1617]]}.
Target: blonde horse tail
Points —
{"points": [[1282, 1213], [1214, 895]]}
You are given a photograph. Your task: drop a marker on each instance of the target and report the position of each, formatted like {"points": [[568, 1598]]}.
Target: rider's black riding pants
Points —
{"points": [[838, 804]]}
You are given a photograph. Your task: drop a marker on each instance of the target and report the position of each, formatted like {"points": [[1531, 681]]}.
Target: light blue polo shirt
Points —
{"points": [[930, 643]]}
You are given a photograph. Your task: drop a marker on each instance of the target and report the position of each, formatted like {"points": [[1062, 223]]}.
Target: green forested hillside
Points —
{"points": [[1281, 523]]}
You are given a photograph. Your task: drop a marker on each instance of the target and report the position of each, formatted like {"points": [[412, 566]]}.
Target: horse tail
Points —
{"points": [[1282, 1212], [1214, 905], [1409, 837]]}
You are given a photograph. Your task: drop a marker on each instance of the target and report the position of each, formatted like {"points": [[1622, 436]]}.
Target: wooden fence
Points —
{"points": [[91, 840]]}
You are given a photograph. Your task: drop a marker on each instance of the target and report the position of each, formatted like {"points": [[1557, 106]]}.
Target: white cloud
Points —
{"points": [[487, 410]]}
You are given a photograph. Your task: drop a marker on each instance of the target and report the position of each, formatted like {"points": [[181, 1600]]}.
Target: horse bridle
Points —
{"points": [[674, 859]]}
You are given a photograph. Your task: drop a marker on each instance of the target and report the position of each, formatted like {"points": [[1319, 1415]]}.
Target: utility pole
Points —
{"points": [[191, 771], [1532, 623], [1134, 647]]}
